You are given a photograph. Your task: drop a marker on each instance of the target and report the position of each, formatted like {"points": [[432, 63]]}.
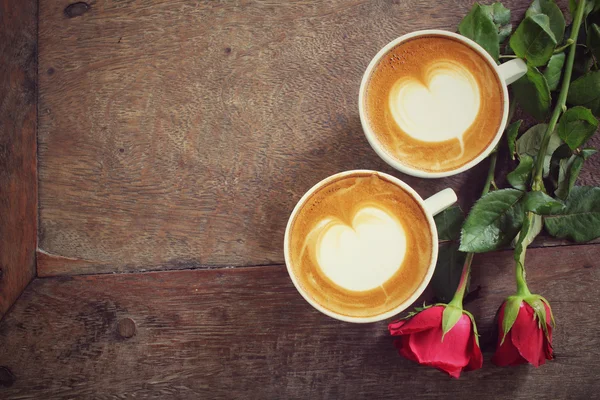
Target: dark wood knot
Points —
{"points": [[126, 328], [6, 377], [77, 9]]}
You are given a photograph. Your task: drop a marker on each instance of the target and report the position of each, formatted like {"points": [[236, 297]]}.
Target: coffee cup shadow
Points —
{"points": [[347, 149]]}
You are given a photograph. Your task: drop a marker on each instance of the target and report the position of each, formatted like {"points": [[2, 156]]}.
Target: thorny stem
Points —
{"points": [[520, 273], [537, 183], [457, 300]]}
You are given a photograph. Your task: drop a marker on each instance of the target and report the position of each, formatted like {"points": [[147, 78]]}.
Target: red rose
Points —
{"points": [[529, 339], [421, 341]]}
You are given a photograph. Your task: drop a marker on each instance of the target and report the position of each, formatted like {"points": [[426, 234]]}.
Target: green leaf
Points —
{"points": [[549, 309], [562, 152], [450, 317], [572, 7], [588, 152], [511, 134], [536, 227], [569, 171], [500, 16], [540, 203], [580, 220], [583, 62], [493, 221], [585, 91], [533, 94], [530, 142], [576, 126], [539, 311], [511, 311], [593, 40], [478, 26], [532, 226], [589, 7], [555, 16], [553, 71], [519, 178], [533, 40], [448, 223], [448, 269]]}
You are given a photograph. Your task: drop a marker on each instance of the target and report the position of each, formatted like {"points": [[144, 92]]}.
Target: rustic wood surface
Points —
{"points": [[246, 333], [18, 179], [177, 134]]}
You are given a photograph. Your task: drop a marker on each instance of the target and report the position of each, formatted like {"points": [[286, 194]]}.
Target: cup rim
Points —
{"points": [[370, 135], [406, 303]]}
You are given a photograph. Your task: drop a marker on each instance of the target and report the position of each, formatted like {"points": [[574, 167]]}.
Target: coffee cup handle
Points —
{"points": [[440, 201], [512, 70]]}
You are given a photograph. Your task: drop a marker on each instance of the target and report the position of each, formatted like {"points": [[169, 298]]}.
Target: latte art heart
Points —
{"points": [[362, 256], [360, 245], [441, 108]]}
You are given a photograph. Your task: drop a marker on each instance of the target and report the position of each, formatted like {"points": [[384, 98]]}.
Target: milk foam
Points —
{"points": [[362, 256], [441, 108]]}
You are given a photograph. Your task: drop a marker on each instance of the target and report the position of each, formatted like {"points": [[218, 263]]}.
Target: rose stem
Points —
{"points": [[489, 181], [562, 99], [537, 183]]}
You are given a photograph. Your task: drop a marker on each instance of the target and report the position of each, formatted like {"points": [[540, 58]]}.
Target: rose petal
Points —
{"points": [[500, 313], [429, 348], [476, 360], [449, 369], [548, 320], [549, 351], [426, 319], [542, 356], [395, 326], [527, 337], [506, 353], [404, 349], [548, 345]]}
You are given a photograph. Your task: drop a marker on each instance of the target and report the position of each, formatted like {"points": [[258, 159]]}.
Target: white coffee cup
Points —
{"points": [[507, 74], [432, 206]]}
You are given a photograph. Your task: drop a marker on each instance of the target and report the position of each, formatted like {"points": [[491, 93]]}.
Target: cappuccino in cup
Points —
{"points": [[362, 244], [434, 103]]}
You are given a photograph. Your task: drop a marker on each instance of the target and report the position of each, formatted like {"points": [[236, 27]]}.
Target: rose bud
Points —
{"points": [[442, 336], [524, 331]]}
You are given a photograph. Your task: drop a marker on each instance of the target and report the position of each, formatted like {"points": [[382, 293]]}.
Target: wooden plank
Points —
{"points": [[247, 333], [18, 121], [177, 134]]}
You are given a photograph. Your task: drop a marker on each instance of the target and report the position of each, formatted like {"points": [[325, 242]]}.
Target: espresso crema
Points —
{"points": [[434, 103], [360, 246]]}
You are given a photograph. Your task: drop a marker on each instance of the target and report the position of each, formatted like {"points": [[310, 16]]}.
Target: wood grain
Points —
{"points": [[246, 333], [177, 134], [18, 177]]}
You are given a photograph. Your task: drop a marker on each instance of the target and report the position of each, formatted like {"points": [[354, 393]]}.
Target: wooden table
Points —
{"points": [[173, 139]]}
